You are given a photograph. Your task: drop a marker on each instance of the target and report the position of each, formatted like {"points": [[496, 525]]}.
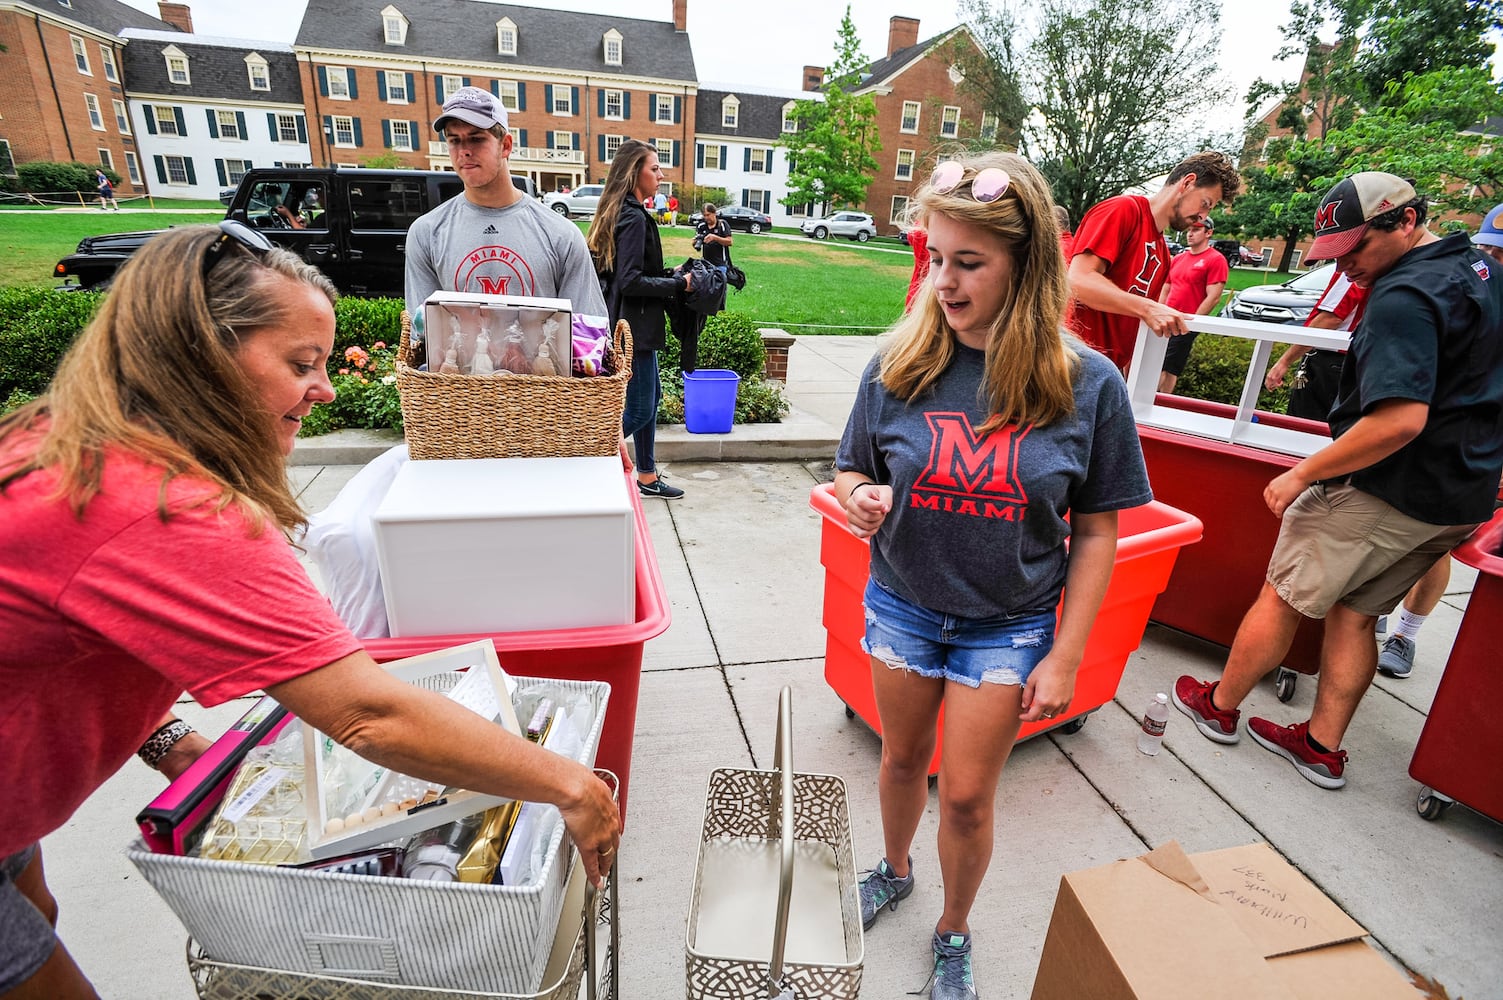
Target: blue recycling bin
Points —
{"points": [[710, 400]]}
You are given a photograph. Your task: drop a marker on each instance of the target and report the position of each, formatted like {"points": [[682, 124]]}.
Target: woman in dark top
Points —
{"points": [[624, 242]]}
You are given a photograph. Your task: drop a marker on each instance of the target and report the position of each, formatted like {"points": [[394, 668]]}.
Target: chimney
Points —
{"points": [[177, 14], [814, 77], [901, 33], [680, 15]]}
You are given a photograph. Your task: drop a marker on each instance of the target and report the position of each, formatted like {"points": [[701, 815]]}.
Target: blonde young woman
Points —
{"points": [[624, 241], [976, 430], [143, 502]]}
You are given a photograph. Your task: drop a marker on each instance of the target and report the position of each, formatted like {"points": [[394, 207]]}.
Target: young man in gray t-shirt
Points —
{"points": [[494, 239]]}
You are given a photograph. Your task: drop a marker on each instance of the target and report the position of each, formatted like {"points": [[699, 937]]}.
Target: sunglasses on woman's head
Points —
{"points": [[987, 186], [239, 234]]}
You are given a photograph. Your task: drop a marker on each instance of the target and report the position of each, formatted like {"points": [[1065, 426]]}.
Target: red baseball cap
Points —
{"points": [[1348, 207]]}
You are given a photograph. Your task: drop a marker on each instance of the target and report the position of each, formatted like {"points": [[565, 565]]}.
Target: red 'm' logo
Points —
{"points": [[1147, 274], [961, 465], [1325, 216]]}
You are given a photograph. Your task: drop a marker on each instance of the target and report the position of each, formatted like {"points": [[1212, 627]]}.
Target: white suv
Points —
{"points": [[581, 201], [856, 226]]}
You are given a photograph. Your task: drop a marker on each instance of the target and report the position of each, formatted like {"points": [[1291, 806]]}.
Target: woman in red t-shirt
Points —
{"points": [[143, 502]]}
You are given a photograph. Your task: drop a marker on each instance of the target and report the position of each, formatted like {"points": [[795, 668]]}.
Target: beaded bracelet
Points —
{"points": [[163, 740]]}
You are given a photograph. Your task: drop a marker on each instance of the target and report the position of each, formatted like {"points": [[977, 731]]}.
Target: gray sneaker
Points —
{"points": [[882, 888], [1396, 659], [953, 979]]}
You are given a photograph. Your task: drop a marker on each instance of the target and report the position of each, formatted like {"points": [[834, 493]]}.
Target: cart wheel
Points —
{"points": [[850, 713], [1431, 804], [1284, 682], [1075, 725]]}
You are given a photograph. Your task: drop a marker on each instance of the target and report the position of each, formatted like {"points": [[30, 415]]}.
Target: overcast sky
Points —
{"points": [[768, 42]]}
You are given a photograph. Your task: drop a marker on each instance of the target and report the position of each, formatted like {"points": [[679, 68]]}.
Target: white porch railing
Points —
{"points": [[529, 154], [1148, 361]]}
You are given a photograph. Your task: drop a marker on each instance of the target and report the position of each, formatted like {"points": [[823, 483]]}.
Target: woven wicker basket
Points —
{"points": [[513, 416]]}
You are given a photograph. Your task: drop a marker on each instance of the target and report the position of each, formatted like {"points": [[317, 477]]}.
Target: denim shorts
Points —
{"points": [[26, 938], [969, 651]]}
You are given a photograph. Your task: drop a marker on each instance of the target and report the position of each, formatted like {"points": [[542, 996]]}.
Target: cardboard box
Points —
{"points": [[507, 545], [1236, 923], [515, 328]]}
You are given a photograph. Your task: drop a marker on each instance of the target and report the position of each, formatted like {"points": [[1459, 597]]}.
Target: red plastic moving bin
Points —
{"points": [[1150, 538], [1215, 582], [610, 653], [1461, 745]]}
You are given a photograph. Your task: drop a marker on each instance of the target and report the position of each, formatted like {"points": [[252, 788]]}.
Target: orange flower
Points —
{"points": [[379, 345], [344, 371]]}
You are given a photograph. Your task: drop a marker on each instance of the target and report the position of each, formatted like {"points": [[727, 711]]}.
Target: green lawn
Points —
{"points": [[32, 242], [804, 286]]}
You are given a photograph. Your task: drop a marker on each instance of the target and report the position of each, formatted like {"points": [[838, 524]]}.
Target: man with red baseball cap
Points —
{"points": [[1412, 470]]}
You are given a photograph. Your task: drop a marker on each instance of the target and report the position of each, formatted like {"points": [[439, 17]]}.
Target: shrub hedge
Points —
{"points": [[729, 340], [47, 177], [38, 324]]}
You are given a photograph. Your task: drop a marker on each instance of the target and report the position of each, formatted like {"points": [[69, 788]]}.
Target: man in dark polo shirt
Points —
{"points": [[1413, 469]]}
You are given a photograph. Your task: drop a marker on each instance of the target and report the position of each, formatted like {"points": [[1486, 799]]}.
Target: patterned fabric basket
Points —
{"points": [[576, 959], [513, 416], [396, 932], [765, 832]]}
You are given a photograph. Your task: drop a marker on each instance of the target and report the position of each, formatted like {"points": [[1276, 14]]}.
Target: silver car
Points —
{"points": [[856, 226], [581, 201]]}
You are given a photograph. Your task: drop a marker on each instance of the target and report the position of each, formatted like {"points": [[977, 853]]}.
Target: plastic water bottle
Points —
{"points": [[1155, 721]]}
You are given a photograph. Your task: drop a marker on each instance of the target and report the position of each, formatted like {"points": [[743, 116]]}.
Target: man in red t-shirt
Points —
{"points": [[1121, 261], [1196, 278]]}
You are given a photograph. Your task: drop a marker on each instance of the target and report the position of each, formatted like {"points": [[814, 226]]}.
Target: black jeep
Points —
{"points": [[351, 224]]}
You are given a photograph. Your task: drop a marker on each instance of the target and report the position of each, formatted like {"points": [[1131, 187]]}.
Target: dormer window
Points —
{"points": [[257, 69], [506, 37], [730, 111], [790, 123], [177, 65], [613, 48], [394, 25]]}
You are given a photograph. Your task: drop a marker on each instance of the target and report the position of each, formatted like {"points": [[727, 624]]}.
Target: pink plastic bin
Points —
{"points": [[1150, 539], [1460, 747], [610, 653]]}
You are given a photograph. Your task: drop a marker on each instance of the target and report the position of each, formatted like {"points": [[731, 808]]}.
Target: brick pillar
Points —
{"points": [[776, 342]]}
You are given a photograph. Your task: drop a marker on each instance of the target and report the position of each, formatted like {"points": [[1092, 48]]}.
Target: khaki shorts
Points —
{"points": [[1339, 545]]}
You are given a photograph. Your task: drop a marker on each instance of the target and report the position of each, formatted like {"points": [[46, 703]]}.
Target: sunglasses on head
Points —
{"points": [[236, 234], [987, 186]]}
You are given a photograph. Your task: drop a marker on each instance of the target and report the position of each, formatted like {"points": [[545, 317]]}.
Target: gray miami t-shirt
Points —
{"points": [[522, 249], [977, 527]]}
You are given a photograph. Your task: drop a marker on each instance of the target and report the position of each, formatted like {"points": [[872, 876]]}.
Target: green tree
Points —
{"points": [[1416, 37], [989, 56], [1279, 198], [1117, 86], [1419, 134], [1321, 98], [830, 154]]}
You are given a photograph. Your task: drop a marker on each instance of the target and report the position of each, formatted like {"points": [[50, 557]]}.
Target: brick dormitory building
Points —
{"points": [[177, 114]]}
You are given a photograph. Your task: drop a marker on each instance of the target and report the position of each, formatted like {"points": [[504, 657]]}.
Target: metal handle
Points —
{"points": [[782, 760], [612, 885]]}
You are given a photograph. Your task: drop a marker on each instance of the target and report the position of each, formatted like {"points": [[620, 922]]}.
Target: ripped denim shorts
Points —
{"points": [[969, 651]]}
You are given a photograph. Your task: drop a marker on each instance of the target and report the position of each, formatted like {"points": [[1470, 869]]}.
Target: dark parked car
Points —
{"points": [[1289, 302], [351, 224], [748, 219], [1175, 249], [1237, 254]]}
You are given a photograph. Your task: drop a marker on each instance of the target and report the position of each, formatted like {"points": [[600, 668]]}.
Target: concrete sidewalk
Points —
{"points": [[739, 558]]}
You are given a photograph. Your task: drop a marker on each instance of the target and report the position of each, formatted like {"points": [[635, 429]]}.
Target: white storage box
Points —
{"points": [[444, 935], [507, 544]]}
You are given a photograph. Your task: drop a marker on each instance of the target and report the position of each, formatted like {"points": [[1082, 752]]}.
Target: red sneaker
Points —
{"points": [[1194, 699], [1289, 742]]}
